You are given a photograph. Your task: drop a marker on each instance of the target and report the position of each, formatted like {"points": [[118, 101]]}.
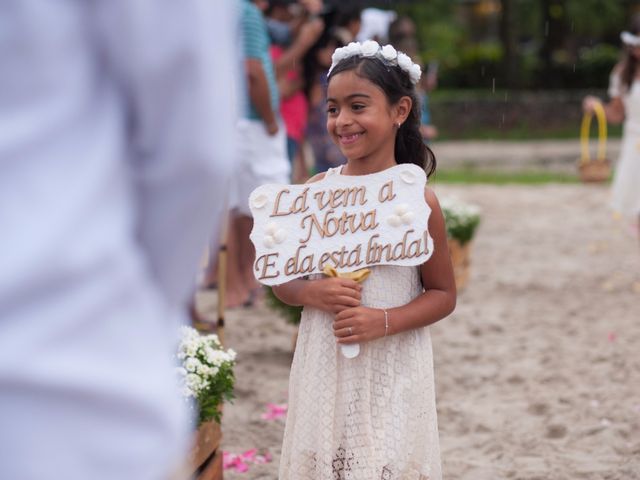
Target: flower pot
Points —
{"points": [[461, 261]]}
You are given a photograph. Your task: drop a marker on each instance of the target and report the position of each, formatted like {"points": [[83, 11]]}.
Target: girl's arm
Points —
{"points": [[437, 301], [614, 109], [331, 295]]}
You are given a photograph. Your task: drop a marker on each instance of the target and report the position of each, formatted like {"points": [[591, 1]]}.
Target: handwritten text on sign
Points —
{"points": [[348, 222]]}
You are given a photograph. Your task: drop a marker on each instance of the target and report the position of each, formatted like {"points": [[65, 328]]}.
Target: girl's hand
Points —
{"points": [[359, 324], [589, 102], [334, 294]]}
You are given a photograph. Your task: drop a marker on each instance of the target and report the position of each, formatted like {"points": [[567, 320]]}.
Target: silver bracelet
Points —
{"points": [[386, 321]]}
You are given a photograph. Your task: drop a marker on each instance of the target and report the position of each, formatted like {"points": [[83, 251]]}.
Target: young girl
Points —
{"points": [[372, 417], [624, 91]]}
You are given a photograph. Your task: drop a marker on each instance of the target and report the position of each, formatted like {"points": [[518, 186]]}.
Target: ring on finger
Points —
{"points": [[350, 331]]}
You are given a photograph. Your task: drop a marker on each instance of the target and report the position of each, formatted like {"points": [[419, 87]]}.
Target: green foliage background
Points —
{"points": [[578, 52]]}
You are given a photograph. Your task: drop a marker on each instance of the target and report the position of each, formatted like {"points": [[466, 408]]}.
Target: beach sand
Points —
{"points": [[537, 370]]}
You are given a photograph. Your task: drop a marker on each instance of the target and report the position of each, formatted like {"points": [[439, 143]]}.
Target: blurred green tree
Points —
{"points": [[524, 43]]}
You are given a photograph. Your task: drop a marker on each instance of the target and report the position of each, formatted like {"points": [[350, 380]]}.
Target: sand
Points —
{"points": [[537, 370]]}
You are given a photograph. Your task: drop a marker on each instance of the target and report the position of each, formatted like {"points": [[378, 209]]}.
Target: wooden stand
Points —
{"points": [[206, 455], [461, 260]]}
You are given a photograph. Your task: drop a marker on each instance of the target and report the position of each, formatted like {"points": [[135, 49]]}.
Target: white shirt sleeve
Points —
{"points": [[178, 66]]}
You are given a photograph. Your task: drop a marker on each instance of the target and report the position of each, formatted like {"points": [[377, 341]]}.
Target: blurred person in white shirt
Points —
{"points": [[115, 120]]}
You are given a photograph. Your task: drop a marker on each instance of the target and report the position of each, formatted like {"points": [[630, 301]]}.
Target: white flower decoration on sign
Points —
{"points": [[387, 54], [259, 201], [273, 235], [402, 216]]}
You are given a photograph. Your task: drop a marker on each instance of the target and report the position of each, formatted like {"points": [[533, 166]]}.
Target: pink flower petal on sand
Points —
{"points": [[275, 411], [612, 336], [240, 463], [266, 458], [231, 460], [227, 459], [249, 455]]}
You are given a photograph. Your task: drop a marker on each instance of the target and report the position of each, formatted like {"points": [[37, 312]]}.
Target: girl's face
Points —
{"points": [[360, 119]]}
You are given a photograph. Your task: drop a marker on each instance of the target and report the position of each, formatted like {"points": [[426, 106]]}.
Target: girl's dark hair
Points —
{"points": [[630, 62], [395, 83]]}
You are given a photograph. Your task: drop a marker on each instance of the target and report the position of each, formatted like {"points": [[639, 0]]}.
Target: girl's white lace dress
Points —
{"points": [[625, 192], [372, 417]]}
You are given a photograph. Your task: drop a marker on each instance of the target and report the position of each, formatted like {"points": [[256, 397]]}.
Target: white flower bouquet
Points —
{"points": [[461, 219], [206, 373]]}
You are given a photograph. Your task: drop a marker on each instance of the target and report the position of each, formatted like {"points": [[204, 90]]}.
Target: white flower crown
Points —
{"points": [[387, 54]]}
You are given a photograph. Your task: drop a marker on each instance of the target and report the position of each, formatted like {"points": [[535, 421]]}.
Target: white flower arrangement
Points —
{"points": [[387, 54], [206, 373], [461, 219]]}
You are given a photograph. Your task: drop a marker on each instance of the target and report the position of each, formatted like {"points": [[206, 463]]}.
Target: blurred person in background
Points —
{"points": [[293, 28], [262, 155], [375, 25], [403, 36], [624, 106], [115, 120], [340, 23], [347, 22]]}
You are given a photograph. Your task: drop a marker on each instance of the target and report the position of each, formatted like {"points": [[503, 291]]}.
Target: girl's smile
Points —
{"points": [[349, 138]]}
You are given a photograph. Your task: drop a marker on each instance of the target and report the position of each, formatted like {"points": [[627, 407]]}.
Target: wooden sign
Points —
{"points": [[348, 222]]}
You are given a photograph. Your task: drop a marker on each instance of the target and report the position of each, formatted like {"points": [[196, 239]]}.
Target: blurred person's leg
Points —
{"points": [[237, 289], [266, 162], [300, 173]]}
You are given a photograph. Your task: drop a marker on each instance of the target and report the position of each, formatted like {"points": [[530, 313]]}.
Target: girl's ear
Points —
{"points": [[403, 109]]}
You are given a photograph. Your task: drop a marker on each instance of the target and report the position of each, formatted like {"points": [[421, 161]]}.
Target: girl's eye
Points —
{"points": [[332, 110], [357, 106]]}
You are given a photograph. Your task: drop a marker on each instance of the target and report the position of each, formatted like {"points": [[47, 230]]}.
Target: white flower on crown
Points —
{"points": [[415, 73], [370, 48], [339, 55], [354, 48], [389, 53], [404, 62]]}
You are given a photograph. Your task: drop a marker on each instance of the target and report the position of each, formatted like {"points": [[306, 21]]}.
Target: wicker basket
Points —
{"points": [[598, 169]]}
